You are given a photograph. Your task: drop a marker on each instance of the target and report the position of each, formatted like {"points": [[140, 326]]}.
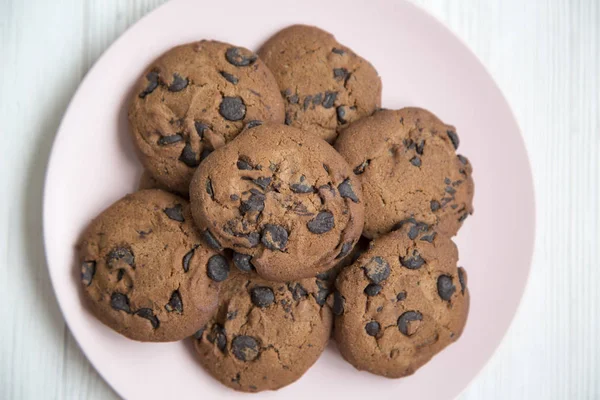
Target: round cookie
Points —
{"points": [[265, 335], [325, 84], [285, 202], [194, 99], [409, 169], [145, 271], [402, 302]]}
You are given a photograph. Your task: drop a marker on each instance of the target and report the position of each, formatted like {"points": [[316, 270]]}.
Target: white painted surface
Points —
{"points": [[546, 59]]}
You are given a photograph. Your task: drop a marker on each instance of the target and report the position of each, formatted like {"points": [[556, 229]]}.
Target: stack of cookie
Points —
{"points": [[279, 204]]}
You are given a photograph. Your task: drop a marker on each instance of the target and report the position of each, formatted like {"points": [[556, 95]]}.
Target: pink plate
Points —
{"points": [[421, 64]]}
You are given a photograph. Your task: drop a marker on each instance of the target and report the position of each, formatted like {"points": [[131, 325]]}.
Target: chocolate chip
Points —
{"points": [[435, 205], [445, 287], [307, 101], [211, 240], [187, 258], [301, 187], [88, 269], [274, 237], [377, 269], [209, 189], [120, 274], [232, 108], [453, 138], [346, 191], [166, 140], [262, 182], [338, 51], [419, 147], [229, 77], [298, 292], [255, 203], [245, 348], [152, 78], [217, 335], [201, 128], [329, 99], [322, 293], [372, 289], [463, 217], [205, 153], [175, 303], [372, 328], [262, 296], [346, 247], [217, 268], [401, 296], [120, 302], [317, 98], [234, 197], [341, 113], [253, 239], [450, 190], [120, 254], [429, 238], [447, 181], [462, 279], [412, 262], [416, 161], [463, 160], [416, 229], [199, 333], [288, 118], [322, 223], [361, 168], [240, 57], [175, 213], [340, 74], [178, 84], [406, 322], [253, 124], [339, 303], [293, 99], [149, 315], [188, 156], [242, 261], [244, 164]]}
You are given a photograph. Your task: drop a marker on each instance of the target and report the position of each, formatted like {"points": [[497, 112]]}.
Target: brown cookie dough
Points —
{"points": [[285, 199], [325, 84], [145, 270], [194, 99], [265, 335], [402, 302], [409, 168]]}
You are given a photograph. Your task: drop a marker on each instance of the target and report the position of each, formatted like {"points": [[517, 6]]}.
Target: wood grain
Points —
{"points": [[545, 56]]}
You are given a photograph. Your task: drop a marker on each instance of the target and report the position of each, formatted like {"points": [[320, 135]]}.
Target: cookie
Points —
{"points": [[286, 201], [145, 271], [325, 85], [194, 99], [402, 302], [265, 335], [409, 169]]}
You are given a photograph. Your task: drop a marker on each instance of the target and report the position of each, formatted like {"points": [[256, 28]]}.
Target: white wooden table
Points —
{"points": [[545, 55]]}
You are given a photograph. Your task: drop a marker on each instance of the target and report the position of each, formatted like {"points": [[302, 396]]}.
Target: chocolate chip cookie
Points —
{"points": [[325, 84], [402, 302], [265, 335], [145, 270], [287, 203], [409, 168], [194, 99]]}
